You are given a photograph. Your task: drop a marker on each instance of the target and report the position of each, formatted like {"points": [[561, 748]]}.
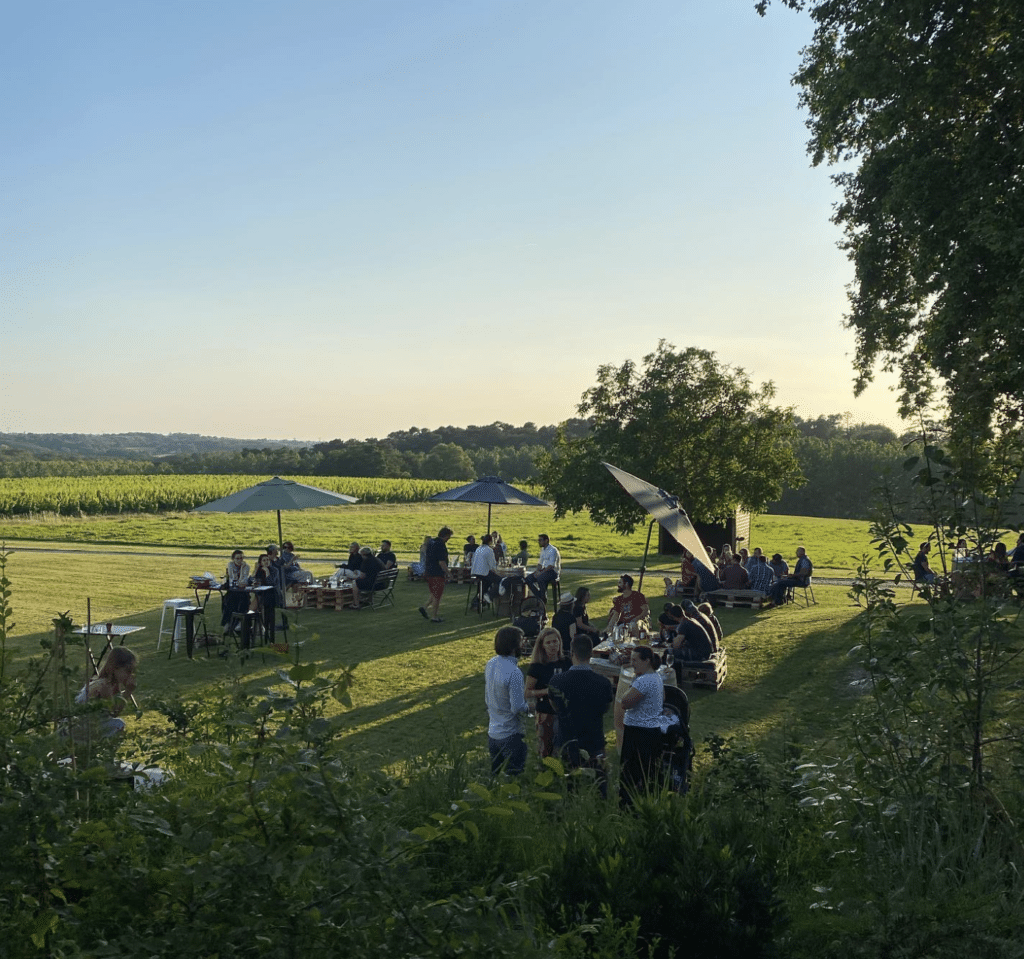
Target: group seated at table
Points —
{"points": [[739, 571]]}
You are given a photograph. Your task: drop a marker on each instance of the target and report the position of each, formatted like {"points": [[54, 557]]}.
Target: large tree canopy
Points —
{"points": [[924, 100], [685, 422]]}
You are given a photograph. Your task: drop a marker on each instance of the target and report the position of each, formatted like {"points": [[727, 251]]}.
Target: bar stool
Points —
{"points": [[476, 587], [187, 613], [247, 626], [556, 591], [174, 630]]}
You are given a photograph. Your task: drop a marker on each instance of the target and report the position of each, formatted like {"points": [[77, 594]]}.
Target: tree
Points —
{"points": [[926, 97], [695, 427], [448, 461]]}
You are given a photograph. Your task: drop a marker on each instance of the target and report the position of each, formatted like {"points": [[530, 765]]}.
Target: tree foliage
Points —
{"points": [[921, 105], [684, 421]]}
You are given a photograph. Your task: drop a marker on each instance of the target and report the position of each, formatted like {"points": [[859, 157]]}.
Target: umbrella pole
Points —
{"points": [[488, 519], [647, 548], [280, 539]]}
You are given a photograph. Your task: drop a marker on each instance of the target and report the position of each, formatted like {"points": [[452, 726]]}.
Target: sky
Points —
{"points": [[309, 220]]}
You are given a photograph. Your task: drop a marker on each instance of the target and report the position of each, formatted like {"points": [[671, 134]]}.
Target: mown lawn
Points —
{"points": [[417, 684]]}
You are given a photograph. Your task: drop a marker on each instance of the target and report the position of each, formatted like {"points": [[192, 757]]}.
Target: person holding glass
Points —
{"points": [[641, 726]]}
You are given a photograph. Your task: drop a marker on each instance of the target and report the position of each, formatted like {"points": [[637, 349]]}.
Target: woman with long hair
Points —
{"points": [[579, 610], [547, 661], [114, 683]]}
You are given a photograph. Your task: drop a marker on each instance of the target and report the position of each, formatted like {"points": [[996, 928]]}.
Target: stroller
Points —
{"points": [[677, 746], [531, 619]]}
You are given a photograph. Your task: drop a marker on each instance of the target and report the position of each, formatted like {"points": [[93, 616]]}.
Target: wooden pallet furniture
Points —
{"points": [[708, 674], [737, 598], [329, 597]]}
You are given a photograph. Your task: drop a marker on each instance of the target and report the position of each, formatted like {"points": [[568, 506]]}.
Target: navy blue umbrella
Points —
{"points": [[490, 490]]}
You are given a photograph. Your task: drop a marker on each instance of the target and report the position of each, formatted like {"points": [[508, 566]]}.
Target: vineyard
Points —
{"points": [[99, 495]]}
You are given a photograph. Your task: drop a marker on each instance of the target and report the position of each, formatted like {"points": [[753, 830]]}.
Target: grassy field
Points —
{"points": [[419, 684]]}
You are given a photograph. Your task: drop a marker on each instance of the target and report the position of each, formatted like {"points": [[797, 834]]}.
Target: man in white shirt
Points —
{"points": [[549, 568], [504, 694], [485, 565]]}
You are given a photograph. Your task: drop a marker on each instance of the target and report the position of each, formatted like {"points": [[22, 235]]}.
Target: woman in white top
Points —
{"points": [[641, 729]]}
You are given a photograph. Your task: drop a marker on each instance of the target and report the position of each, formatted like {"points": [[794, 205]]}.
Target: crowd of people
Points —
{"points": [[741, 570], [972, 570]]}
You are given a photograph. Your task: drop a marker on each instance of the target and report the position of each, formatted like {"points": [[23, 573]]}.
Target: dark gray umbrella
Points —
{"points": [[276, 494], [490, 490]]}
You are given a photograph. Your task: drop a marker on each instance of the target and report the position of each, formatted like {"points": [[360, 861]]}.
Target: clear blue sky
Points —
{"points": [[317, 219]]}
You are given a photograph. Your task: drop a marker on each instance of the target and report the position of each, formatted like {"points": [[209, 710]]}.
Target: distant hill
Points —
{"points": [[131, 445]]}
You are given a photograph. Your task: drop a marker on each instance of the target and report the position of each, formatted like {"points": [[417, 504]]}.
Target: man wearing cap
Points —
{"points": [[565, 621], [629, 606], [581, 698], [549, 568], [485, 567]]}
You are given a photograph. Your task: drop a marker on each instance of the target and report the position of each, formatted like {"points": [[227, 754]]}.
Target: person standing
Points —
{"points": [[436, 571], [504, 695], [581, 698], [547, 662], [641, 726], [549, 568]]}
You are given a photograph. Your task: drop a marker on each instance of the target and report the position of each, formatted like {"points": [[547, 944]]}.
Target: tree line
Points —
{"points": [[842, 461]]}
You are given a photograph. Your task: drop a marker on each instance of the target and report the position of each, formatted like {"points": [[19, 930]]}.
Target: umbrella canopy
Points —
{"points": [[275, 494], [663, 507], [489, 490]]}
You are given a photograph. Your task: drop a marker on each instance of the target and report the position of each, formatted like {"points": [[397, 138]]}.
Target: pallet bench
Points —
{"points": [[709, 674], [737, 598]]}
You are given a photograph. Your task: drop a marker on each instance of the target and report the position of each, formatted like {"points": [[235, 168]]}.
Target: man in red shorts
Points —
{"points": [[435, 571]]}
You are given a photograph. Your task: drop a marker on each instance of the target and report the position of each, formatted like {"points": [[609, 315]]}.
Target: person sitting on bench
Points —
{"points": [[629, 606], [922, 570], [692, 643], [734, 576]]}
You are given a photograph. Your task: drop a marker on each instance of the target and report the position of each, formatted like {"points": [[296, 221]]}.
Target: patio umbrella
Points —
{"points": [[490, 490], [665, 509], [276, 494]]}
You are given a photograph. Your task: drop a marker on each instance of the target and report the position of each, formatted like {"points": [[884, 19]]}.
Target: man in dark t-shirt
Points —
{"points": [[387, 558], [692, 643], [581, 698], [435, 571], [369, 567], [922, 571]]}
